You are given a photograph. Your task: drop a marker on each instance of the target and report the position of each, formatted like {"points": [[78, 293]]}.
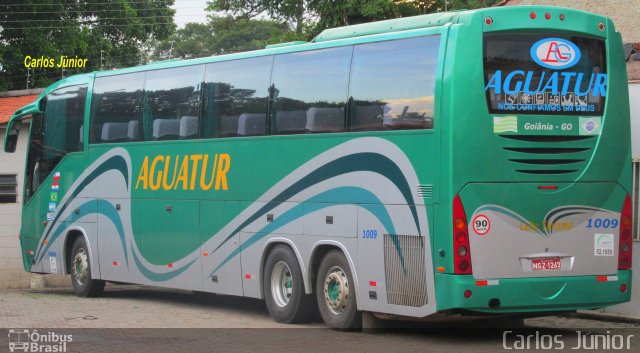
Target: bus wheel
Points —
{"points": [[335, 292], [284, 289], [83, 284]]}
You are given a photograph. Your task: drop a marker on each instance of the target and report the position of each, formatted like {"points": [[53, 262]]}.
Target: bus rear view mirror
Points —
{"points": [[11, 137]]}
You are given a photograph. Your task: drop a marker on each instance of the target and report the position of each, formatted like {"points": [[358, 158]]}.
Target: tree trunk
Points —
{"points": [[299, 17]]}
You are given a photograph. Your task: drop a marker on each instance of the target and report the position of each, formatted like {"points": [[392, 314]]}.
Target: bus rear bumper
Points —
{"points": [[531, 294]]}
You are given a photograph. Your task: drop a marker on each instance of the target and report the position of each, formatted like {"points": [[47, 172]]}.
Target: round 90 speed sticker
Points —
{"points": [[481, 224]]}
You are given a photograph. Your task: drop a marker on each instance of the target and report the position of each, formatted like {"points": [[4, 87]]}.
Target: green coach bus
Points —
{"points": [[472, 162]]}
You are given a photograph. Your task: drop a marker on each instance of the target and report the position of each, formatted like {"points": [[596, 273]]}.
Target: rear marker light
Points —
{"points": [[532, 15], [601, 26], [601, 278], [170, 265], [548, 187], [488, 21], [625, 241], [373, 283], [440, 269], [561, 17], [623, 288], [547, 16], [467, 294], [461, 248]]}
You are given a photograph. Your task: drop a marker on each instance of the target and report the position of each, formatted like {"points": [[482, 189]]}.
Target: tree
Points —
{"points": [[107, 33], [332, 13], [290, 11], [221, 35]]}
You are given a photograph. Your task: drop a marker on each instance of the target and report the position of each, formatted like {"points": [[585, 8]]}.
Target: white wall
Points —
{"points": [[12, 274]]}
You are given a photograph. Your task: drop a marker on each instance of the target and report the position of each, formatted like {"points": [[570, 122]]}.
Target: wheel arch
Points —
{"points": [[71, 235], [320, 249], [270, 245]]}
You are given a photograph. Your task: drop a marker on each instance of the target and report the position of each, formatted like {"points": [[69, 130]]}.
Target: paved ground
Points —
{"points": [[140, 319]]}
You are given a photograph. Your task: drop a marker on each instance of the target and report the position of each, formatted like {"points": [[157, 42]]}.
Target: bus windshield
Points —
{"points": [[528, 73]]}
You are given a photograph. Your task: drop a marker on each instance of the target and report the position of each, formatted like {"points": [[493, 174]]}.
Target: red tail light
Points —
{"points": [[461, 249], [626, 239]]}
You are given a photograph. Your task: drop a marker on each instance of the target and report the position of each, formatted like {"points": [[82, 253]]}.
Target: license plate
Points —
{"points": [[546, 264]]}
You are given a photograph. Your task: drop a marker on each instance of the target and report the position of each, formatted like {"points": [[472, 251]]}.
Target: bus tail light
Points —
{"points": [[624, 246], [461, 249]]}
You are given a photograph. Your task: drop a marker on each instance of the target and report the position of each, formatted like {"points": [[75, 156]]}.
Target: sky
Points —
{"points": [[189, 11]]}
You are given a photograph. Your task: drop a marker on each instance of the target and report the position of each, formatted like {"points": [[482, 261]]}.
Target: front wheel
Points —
{"points": [[80, 265], [335, 293]]}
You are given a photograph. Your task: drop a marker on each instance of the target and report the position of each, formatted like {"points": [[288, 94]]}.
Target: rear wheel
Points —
{"points": [[335, 293], [80, 268], [283, 288]]}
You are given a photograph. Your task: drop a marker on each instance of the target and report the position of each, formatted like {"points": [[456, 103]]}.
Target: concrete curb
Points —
{"points": [[593, 315]]}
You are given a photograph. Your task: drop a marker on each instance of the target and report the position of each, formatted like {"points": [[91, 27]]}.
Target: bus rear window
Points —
{"points": [[527, 73]]}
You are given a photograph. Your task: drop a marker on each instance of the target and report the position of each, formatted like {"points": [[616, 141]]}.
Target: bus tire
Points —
{"points": [[335, 293], [283, 288], [80, 269]]}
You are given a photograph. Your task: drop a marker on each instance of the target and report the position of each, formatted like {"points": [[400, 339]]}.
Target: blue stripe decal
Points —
{"points": [[113, 163], [366, 161], [87, 208], [366, 199], [160, 277]]}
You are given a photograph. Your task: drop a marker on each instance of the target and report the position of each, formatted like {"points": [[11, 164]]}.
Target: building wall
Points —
{"points": [[12, 273], [624, 13]]}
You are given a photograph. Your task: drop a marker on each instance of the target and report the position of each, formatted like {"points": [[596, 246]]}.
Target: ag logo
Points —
{"points": [[555, 53]]}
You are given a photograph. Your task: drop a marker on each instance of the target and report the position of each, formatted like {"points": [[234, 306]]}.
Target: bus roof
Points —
{"points": [[393, 25]]}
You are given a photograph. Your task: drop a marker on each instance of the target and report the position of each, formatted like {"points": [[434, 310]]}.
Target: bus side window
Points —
{"points": [[236, 97], [310, 91], [115, 105], [393, 84], [172, 102]]}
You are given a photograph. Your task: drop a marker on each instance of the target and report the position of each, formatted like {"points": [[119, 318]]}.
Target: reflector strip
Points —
{"points": [[372, 283], [248, 276], [601, 278], [489, 282]]}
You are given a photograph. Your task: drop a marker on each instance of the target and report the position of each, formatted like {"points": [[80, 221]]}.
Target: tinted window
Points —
{"points": [[236, 96], [172, 103], [56, 132], [393, 84], [116, 111], [528, 73], [310, 91]]}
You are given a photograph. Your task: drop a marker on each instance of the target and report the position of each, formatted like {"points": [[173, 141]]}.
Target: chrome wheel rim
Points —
{"points": [[281, 284], [81, 266], [336, 290]]}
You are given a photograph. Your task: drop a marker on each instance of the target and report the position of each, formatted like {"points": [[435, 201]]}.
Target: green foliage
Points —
{"points": [[312, 16], [51, 28], [222, 35]]}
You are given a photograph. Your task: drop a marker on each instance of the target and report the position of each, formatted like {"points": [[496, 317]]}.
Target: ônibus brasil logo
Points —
{"points": [[555, 53]]}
